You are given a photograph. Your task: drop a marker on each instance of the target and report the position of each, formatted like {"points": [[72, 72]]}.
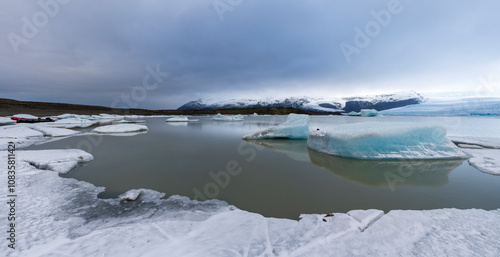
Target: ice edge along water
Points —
{"points": [[64, 217]]}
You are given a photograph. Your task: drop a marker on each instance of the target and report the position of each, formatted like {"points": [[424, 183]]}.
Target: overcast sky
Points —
{"points": [[98, 52]]}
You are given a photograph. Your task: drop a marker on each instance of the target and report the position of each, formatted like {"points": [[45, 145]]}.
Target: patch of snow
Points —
{"points": [[120, 128], [296, 126], [365, 217], [385, 140]]}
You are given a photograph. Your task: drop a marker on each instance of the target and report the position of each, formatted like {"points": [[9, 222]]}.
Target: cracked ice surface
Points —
{"points": [[64, 217]]}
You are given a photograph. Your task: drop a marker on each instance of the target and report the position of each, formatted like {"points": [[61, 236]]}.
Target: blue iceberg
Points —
{"points": [[385, 141], [296, 126]]}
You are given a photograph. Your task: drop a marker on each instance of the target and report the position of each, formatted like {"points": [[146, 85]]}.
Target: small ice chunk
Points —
{"points": [[353, 113], [120, 128], [72, 123], [296, 126], [130, 195], [65, 116], [368, 112], [385, 140]]}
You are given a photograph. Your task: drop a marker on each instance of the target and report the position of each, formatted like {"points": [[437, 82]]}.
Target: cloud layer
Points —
{"points": [[94, 53]]}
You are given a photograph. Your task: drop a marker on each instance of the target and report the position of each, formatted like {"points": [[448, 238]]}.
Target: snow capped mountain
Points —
{"points": [[333, 104]]}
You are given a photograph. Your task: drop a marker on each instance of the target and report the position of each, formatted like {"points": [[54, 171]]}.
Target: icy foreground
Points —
{"points": [[385, 140], [64, 217], [296, 126]]}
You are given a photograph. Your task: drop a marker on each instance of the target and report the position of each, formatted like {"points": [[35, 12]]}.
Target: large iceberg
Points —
{"points": [[296, 126], [385, 140]]}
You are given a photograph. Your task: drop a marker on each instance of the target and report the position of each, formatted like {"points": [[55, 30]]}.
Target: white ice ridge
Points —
{"points": [[296, 126], [120, 128], [385, 140], [64, 217]]}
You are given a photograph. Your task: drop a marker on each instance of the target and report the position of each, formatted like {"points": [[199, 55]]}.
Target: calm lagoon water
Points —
{"points": [[281, 178]]}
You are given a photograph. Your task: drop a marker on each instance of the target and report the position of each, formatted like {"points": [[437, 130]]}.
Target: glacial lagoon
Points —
{"points": [[280, 178]]}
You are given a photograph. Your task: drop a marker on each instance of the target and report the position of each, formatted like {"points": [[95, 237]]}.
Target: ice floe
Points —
{"points": [[385, 140], [220, 117], [53, 131], [179, 119], [296, 126], [484, 152], [120, 128]]}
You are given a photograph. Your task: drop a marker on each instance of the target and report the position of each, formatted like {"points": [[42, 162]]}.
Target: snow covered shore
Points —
{"points": [[64, 217]]}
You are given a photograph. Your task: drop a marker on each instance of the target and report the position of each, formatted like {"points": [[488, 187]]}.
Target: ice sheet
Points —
{"points": [[385, 140]]}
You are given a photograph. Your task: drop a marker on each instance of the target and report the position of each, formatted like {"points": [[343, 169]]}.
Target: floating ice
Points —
{"points": [[130, 195], [368, 112], [353, 113], [179, 119], [296, 126], [120, 128], [72, 123], [220, 117], [385, 140]]}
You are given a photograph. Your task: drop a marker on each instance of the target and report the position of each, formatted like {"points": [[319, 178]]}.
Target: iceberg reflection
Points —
{"points": [[408, 173]]}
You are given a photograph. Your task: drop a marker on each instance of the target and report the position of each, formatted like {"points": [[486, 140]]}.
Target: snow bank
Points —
{"points": [[385, 140], [120, 128], [64, 217], [296, 126]]}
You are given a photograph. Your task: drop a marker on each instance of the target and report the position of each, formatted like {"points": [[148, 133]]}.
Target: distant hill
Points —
{"points": [[10, 107], [346, 104]]}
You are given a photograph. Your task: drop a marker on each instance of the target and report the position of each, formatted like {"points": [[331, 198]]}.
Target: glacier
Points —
{"points": [[385, 141], [296, 126], [442, 106]]}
